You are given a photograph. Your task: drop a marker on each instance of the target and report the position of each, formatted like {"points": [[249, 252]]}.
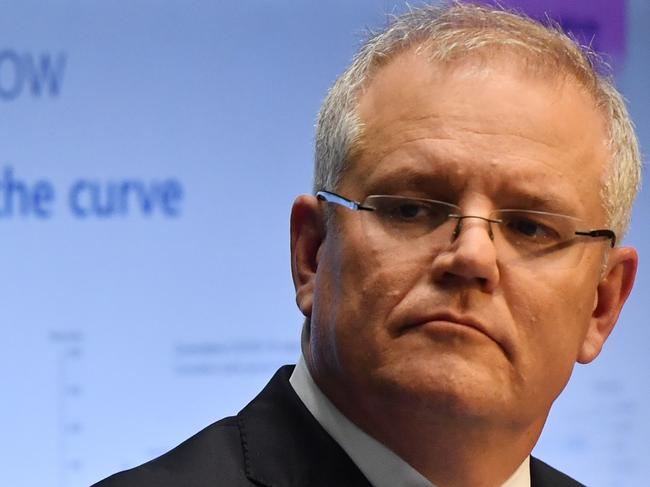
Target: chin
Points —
{"points": [[449, 386]]}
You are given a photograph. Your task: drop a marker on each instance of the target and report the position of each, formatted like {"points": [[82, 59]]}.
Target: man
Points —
{"points": [[473, 177]]}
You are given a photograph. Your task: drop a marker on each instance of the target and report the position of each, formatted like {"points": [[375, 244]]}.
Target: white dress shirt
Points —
{"points": [[381, 466]]}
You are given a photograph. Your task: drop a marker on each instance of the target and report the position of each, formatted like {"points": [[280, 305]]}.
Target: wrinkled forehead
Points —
{"points": [[413, 84]]}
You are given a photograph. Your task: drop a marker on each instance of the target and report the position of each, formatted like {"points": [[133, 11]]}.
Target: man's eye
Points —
{"points": [[413, 212], [528, 228], [409, 211], [416, 212]]}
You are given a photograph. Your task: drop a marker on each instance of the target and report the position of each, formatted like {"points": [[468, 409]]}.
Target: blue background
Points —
{"points": [[121, 331]]}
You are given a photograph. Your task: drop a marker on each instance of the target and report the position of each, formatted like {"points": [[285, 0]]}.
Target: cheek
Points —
{"points": [[356, 291], [370, 276], [551, 314]]}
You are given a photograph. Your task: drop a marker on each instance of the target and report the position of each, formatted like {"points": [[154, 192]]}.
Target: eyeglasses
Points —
{"points": [[519, 236]]}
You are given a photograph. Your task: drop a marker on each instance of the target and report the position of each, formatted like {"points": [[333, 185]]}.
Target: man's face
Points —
{"points": [[456, 330]]}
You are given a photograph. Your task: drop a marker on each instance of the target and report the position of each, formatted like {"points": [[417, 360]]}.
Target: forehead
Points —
{"points": [[488, 123]]}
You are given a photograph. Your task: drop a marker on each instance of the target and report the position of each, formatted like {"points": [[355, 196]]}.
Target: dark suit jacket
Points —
{"points": [[274, 442]]}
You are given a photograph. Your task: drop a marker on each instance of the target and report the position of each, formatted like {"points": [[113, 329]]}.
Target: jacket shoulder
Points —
{"points": [[273, 441], [212, 456], [543, 475]]}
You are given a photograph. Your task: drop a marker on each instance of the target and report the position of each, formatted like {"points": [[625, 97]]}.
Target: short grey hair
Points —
{"points": [[456, 30]]}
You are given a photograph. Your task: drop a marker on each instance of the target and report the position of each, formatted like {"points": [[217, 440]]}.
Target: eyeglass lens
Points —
{"points": [[519, 236]]}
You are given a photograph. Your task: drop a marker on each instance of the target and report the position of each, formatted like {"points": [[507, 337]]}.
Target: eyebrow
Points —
{"points": [[535, 201], [444, 185], [409, 178]]}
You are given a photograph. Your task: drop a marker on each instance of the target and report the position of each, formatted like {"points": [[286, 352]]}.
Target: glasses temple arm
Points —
{"points": [[331, 197], [600, 233]]}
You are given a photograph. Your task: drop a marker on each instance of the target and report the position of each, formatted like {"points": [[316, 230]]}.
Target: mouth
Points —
{"points": [[451, 322]]}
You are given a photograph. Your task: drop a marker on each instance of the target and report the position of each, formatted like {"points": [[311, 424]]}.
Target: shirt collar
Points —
{"points": [[381, 466]]}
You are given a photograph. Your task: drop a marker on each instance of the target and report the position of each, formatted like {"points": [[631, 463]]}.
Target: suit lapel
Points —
{"points": [[284, 446]]}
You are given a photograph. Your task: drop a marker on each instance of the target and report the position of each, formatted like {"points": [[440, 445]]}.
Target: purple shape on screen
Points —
{"points": [[599, 23]]}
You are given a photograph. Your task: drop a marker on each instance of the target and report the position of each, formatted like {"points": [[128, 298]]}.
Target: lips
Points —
{"points": [[459, 320]]}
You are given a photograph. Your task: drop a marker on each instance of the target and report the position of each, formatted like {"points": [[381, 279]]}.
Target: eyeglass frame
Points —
{"points": [[331, 197]]}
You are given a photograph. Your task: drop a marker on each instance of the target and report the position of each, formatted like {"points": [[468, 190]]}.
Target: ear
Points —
{"points": [[612, 291], [307, 234]]}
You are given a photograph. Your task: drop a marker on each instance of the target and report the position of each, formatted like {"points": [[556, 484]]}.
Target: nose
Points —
{"points": [[471, 257]]}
